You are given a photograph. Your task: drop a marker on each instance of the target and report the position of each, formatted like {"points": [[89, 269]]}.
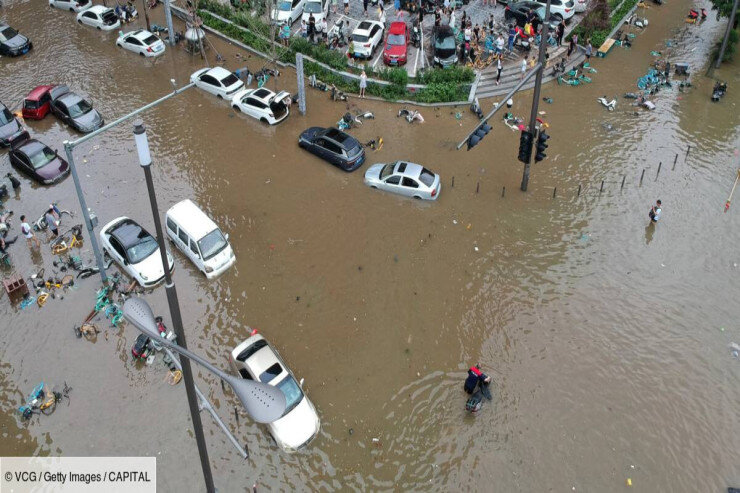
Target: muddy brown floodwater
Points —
{"points": [[607, 340]]}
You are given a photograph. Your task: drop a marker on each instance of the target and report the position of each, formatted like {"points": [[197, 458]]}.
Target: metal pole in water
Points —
{"points": [[503, 192], [624, 177], [554, 192], [301, 83], [688, 150], [660, 164], [674, 161], [602, 186], [579, 190], [477, 187], [170, 28], [642, 176], [453, 182]]}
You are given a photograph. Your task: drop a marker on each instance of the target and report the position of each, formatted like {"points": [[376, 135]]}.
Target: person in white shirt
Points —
{"points": [[655, 211], [28, 233], [499, 44], [524, 67]]}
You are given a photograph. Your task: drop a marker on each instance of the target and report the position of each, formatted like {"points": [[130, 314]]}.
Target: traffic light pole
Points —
{"points": [[537, 85]]}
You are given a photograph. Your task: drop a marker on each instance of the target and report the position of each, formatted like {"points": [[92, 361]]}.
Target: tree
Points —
{"points": [[723, 8]]}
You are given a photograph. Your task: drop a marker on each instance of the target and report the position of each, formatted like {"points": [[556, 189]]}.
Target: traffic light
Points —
{"points": [[525, 146], [541, 146], [478, 135]]}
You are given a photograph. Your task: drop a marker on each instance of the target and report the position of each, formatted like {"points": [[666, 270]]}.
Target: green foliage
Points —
{"points": [[445, 92], [723, 7], [598, 18], [230, 30], [456, 74], [598, 36], [731, 47], [398, 77]]}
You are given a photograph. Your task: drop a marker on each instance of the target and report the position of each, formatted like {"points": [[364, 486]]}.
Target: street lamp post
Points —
{"points": [[142, 147]]}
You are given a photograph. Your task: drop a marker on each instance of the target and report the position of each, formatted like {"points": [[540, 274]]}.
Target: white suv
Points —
{"points": [[560, 9]]}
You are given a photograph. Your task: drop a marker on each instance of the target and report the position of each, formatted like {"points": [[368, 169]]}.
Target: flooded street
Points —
{"points": [[607, 338]]}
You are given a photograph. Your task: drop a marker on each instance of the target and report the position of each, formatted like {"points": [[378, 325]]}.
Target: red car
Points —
{"points": [[396, 44], [38, 103]]}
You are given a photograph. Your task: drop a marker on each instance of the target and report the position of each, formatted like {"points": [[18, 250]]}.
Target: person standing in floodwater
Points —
{"points": [[655, 211]]}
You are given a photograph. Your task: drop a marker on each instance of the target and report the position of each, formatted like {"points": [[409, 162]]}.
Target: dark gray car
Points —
{"points": [[74, 110], [12, 43], [10, 127]]}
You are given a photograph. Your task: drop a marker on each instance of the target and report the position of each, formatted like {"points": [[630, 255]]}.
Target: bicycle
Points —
{"points": [[39, 403], [60, 245], [41, 224]]}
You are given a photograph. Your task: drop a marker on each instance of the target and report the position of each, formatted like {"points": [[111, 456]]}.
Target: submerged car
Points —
{"points": [[12, 43], [444, 50], [396, 44], [254, 359], [37, 160], [38, 103], [10, 127], [217, 81], [71, 5], [262, 104], [366, 37], [403, 178], [134, 250], [334, 146], [75, 111], [99, 17], [142, 42]]}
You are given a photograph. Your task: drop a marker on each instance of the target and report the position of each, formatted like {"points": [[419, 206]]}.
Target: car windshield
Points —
{"points": [[110, 17], [7, 33], [82, 107], [540, 12], [5, 116], [229, 80], [446, 43], [386, 171], [30, 104], [396, 39], [212, 243], [312, 7], [146, 246], [286, 6], [293, 393], [151, 40], [42, 158], [569, 4], [426, 177], [359, 38]]}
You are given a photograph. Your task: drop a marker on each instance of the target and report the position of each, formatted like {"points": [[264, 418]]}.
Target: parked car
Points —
{"points": [[142, 42], [517, 12], [10, 127], [334, 146], [367, 36], [444, 49], [560, 9], [396, 44], [134, 250], [36, 160], [403, 178], [581, 6], [318, 8], [71, 5], [12, 43], [37, 103], [217, 81], [199, 239], [99, 17], [73, 110], [287, 11], [254, 359], [262, 104]]}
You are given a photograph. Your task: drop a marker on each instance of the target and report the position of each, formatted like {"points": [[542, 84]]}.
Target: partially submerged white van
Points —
{"points": [[198, 237]]}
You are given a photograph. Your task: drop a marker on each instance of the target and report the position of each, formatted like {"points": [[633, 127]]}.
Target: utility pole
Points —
{"points": [[170, 29], [146, 16], [301, 83], [727, 35], [537, 84]]}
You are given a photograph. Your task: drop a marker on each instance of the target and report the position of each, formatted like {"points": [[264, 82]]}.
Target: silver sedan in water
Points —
{"points": [[403, 178]]}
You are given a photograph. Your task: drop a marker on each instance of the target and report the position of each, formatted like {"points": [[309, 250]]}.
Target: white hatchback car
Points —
{"points": [[217, 81], [71, 5], [560, 9], [409, 179], [366, 37], [262, 104], [99, 17], [254, 359], [134, 250], [142, 42], [287, 10]]}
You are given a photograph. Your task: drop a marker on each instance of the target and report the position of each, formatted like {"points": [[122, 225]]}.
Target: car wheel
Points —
{"points": [[79, 21], [141, 54], [219, 96], [417, 197], [97, 27], [71, 10], [558, 18], [264, 120], [373, 186], [236, 108]]}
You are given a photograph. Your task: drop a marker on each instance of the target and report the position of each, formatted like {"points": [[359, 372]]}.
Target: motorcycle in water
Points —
{"points": [[720, 88], [416, 35], [610, 105]]}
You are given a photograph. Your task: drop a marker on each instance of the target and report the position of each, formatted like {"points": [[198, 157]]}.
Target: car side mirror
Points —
{"points": [[300, 384], [125, 262], [226, 236]]}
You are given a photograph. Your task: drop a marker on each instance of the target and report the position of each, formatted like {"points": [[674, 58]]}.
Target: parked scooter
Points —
{"points": [[610, 105], [416, 35], [720, 88], [5, 223]]}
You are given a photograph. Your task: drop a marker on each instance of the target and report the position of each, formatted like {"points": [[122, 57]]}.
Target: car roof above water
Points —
{"points": [[412, 170], [192, 219]]}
